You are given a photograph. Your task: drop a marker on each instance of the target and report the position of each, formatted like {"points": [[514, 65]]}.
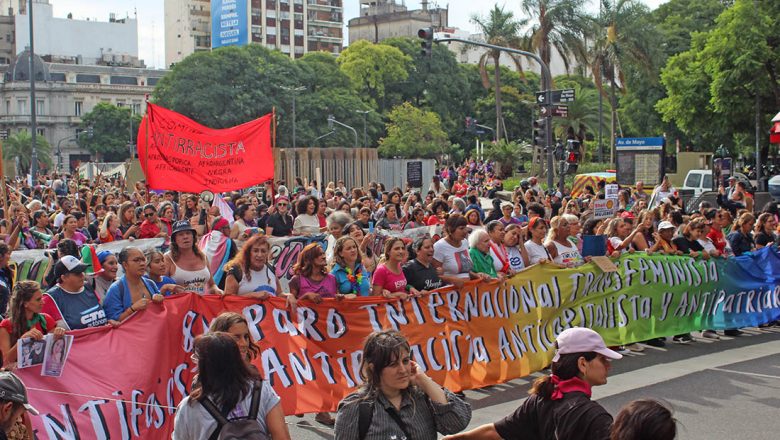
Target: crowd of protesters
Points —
{"points": [[524, 226]]}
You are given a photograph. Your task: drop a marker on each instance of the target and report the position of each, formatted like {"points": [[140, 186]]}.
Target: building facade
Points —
{"points": [[294, 27], [64, 93], [112, 42], [383, 19]]}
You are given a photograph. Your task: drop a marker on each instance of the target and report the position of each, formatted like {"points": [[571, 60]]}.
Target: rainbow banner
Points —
{"points": [[126, 382]]}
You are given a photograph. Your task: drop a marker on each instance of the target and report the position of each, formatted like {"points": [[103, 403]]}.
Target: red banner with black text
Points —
{"points": [[177, 153]]}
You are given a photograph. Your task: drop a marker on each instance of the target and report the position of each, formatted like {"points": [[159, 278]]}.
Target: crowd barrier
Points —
{"points": [[126, 382]]}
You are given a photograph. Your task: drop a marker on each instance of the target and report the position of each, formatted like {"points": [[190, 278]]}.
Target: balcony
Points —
{"points": [[324, 5]]}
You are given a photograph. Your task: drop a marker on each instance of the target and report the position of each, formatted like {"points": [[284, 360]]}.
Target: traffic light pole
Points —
{"points": [[546, 79]]}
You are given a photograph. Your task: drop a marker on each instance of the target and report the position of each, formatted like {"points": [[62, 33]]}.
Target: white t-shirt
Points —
{"points": [[262, 281], [536, 252], [59, 219], [454, 260], [515, 258], [194, 422], [306, 224]]}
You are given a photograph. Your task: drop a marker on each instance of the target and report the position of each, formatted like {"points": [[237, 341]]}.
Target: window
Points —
{"points": [[41, 131], [7, 106], [136, 108], [21, 106], [40, 107], [78, 108], [693, 180], [707, 181], [120, 103]]}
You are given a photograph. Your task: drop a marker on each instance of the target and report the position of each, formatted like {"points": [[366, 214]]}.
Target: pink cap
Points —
{"points": [[582, 340]]}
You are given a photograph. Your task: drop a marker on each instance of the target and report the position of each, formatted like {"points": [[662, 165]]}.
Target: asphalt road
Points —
{"points": [[727, 389]]}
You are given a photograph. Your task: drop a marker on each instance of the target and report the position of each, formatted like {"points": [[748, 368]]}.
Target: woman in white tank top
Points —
{"points": [[562, 251], [186, 264]]}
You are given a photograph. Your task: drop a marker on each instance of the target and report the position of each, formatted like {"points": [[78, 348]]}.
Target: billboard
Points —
{"points": [[229, 23]]}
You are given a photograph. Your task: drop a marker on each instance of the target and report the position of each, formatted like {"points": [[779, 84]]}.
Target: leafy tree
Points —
{"points": [[111, 127], [435, 83], [413, 133], [620, 38], [583, 114], [227, 86], [499, 28], [559, 24], [506, 154], [19, 146], [372, 68], [714, 87]]}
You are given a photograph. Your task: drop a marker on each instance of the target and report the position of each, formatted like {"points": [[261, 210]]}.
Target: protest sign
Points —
{"points": [[611, 191], [480, 335], [56, 354], [177, 153], [604, 208]]}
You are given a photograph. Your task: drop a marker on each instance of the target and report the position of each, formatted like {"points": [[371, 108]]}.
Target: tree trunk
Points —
{"points": [[499, 115], [613, 104]]}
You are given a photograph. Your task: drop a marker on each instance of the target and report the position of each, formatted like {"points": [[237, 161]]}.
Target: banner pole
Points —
{"points": [[3, 191], [146, 148]]}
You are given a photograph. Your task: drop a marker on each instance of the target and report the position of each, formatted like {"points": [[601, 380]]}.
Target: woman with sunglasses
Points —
{"points": [[558, 245], [280, 223]]}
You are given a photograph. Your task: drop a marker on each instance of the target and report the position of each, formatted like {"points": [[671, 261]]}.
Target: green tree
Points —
{"points": [[112, 128], [19, 146], [583, 114], [620, 37], [372, 68], [558, 24], [227, 86], [499, 28], [435, 83], [730, 73], [507, 154], [413, 133]]}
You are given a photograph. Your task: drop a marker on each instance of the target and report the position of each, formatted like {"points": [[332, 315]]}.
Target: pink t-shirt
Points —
{"points": [[389, 281]]}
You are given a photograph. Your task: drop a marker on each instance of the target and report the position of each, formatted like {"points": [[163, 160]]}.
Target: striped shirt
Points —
{"points": [[422, 417]]}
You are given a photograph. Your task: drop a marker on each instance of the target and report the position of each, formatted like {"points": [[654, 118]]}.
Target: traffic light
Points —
{"points": [[540, 132], [427, 44], [572, 156], [471, 124]]}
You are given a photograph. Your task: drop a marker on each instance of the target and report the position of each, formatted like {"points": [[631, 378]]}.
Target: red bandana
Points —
{"points": [[567, 386]]}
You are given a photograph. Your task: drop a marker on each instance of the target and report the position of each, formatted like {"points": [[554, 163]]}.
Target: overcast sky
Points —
{"points": [[151, 33]]}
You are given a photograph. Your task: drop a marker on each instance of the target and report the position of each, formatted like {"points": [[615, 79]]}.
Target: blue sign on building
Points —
{"points": [[229, 23], [650, 143]]}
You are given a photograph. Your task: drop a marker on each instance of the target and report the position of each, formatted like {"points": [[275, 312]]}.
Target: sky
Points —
{"points": [[151, 32]]}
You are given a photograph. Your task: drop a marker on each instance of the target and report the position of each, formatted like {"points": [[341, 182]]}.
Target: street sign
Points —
{"points": [[560, 111], [565, 95]]}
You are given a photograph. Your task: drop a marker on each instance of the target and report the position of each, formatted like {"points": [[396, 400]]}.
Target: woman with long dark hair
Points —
{"points": [[133, 291], [25, 319], [560, 406], [226, 381], [397, 399], [186, 264]]}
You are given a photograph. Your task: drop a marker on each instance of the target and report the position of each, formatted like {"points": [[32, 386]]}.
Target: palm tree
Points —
{"points": [[618, 40], [501, 29], [583, 115], [20, 146], [559, 24]]}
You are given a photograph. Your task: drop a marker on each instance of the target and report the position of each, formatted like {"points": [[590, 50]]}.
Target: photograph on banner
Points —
{"points": [[604, 208], [56, 354], [30, 352]]}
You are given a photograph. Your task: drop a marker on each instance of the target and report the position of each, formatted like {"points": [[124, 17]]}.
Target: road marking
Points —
{"points": [[746, 373], [659, 373]]}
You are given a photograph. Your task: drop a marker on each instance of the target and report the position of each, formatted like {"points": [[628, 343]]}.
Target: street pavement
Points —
{"points": [[727, 389]]}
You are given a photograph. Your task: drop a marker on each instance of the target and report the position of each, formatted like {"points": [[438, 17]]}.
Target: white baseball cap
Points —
{"points": [[582, 340], [665, 225]]}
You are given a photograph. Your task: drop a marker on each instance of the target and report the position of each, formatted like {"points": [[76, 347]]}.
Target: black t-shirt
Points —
{"points": [[421, 277], [281, 227], [574, 417], [687, 246], [764, 239]]}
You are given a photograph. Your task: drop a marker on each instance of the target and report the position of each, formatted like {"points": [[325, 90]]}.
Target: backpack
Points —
{"points": [[237, 429]]}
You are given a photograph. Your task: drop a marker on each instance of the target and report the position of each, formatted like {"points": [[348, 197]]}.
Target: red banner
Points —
{"points": [[177, 153]]}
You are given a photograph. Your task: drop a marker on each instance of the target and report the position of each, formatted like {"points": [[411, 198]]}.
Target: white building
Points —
{"points": [[113, 42]]}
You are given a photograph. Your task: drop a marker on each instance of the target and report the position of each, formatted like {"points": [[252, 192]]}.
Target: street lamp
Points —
{"points": [[332, 120], [365, 138], [294, 91], [89, 132]]}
